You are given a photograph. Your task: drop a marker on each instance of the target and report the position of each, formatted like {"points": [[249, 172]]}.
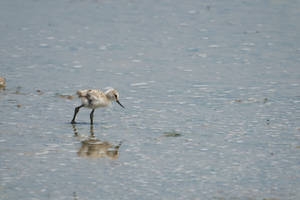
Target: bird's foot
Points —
{"points": [[73, 122]]}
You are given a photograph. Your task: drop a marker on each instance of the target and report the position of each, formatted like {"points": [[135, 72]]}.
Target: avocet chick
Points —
{"points": [[2, 83], [96, 99]]}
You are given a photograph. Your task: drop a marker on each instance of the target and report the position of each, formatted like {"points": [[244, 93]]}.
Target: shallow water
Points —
{"points": [[211, 90]]}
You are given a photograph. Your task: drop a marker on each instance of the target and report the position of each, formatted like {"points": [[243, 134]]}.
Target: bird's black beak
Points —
{"points": [[120, 103]]}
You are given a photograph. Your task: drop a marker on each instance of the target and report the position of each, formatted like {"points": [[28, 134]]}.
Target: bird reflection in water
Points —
{"points": [[95, 148]]}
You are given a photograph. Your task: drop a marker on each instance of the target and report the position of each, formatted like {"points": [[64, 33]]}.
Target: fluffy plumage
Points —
{"points": [[94, 99]]}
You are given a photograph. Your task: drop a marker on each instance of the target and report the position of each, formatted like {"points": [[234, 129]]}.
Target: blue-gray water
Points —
{"points": [[211, 90]]}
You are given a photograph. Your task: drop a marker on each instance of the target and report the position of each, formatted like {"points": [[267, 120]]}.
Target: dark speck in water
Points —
{"points": [[238, 101], [39, 92], [70, 97], [171, 134]]}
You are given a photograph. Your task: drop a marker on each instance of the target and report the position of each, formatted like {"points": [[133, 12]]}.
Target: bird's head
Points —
{"points": [[113, 95]]}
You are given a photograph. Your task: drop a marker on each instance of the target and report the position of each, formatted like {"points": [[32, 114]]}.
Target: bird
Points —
{"points": [[94, 99], [2, 83]]}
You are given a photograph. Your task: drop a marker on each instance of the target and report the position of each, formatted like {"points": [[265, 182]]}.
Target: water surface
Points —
{"points": [[211, 90]]}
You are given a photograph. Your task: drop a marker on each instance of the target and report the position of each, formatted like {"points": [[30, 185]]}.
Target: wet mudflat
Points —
{"points": [[211, 90]]}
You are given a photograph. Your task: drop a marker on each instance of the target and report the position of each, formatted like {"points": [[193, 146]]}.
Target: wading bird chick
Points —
{"points": [[2, 83], [96, 99]]}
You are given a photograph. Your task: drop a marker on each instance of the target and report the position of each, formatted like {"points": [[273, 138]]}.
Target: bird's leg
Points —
{"points": [[75, 113], [92, 116]]}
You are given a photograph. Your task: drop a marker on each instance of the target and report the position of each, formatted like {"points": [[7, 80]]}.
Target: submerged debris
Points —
{"points": [[39, 92], [171, 134], [237, 101], [250, 100], [70, 97]]}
